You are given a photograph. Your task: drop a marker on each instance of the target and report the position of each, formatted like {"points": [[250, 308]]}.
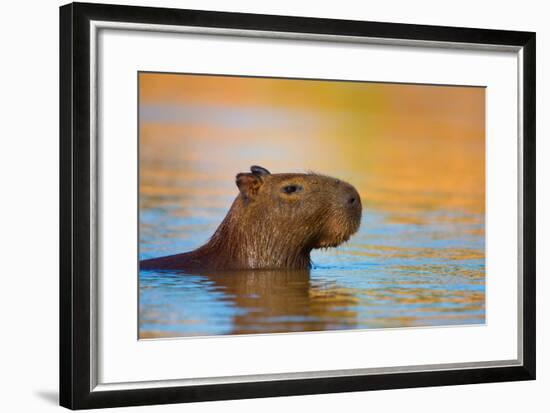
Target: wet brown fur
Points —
{"points": [[268, 228]]}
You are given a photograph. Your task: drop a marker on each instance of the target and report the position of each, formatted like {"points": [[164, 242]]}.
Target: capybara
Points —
{"points": [[274, 223]]}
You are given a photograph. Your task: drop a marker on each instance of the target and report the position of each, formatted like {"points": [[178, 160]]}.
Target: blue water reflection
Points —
{"points": [[388, 275]]}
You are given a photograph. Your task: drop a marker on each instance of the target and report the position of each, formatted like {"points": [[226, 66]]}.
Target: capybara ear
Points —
{"points": [[248, 184], [259, 170]]}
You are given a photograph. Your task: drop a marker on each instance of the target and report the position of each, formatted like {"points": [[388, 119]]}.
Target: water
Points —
{"points": [[414, 153], [390, 274]]}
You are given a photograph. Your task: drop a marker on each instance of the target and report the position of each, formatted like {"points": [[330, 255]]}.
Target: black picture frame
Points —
{"points": [[75, 220]]}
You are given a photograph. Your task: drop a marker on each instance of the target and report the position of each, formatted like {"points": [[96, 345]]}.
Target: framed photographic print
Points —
{"points": [[258, 205]]}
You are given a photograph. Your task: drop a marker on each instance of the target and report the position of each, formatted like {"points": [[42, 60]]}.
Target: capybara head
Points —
{"points": [[305, 210], [274, 223]]}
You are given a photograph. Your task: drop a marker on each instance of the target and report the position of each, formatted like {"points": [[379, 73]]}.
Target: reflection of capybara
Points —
{"points": [[275, 222], [278, 301]]}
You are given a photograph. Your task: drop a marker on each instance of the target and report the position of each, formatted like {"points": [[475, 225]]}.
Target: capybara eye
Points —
{"points": [[290, 189]]}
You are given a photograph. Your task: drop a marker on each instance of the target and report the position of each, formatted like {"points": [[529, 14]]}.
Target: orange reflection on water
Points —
{"points": [[406, 147]]}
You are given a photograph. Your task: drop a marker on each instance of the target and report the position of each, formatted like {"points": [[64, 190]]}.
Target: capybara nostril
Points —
{"points": [[351, 200]]}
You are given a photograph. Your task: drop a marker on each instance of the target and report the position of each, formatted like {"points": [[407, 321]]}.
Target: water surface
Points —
{"points": [[415, 154]]}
